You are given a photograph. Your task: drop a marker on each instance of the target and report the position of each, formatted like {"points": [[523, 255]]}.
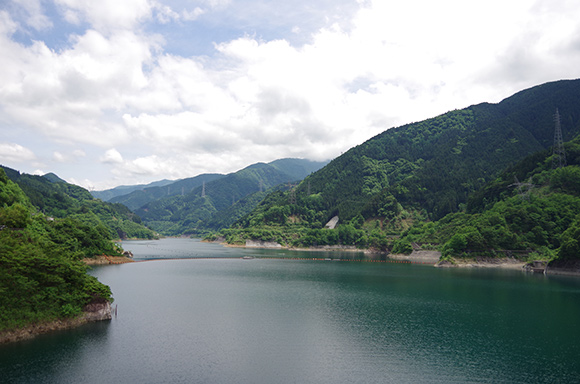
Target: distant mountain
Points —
{"points": [[121, 190], [53, 178], [297, 169], [203, 207], [140, 197], [57, 198]]}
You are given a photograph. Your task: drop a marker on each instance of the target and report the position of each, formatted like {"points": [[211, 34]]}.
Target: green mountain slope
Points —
{"points": [[121, 190], [220, 202], [425, 170], [540, 215], [58, 199], [42, 277], [139, 198]]}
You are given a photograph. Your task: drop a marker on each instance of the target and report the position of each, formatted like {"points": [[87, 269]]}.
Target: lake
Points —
{"points": [[205, 315]]}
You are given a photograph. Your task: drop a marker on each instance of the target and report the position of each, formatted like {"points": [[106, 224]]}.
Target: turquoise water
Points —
{"points": [[221, 319]]}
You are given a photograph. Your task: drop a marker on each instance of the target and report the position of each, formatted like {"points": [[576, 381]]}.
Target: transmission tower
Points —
{"points": [[292, 195], [558, 152], [524, 189], [261, 185], [203, 190]]}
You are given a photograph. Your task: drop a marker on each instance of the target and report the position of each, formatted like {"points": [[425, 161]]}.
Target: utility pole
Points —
{"points": [[558, 152]]}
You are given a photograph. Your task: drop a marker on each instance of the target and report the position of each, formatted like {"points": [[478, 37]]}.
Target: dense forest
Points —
{"points": [[42, 277], [539, 215], [56, 198], [407, 182], [211, 202]]}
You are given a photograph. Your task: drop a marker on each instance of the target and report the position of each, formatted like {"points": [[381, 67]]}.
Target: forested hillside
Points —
{"points": [[218, 203], [539, 214], [42, 277], [56, 198], [122, 190], [415, 173], [137, 199]]}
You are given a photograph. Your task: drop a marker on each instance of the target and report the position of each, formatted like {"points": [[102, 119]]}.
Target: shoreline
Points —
{"points": [[96, 311], [500, 263], [31, 331], [274, 245], [561, 268], [105, 260]]}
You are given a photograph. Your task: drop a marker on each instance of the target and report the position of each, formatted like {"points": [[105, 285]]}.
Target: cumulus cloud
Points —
{"points": [[12, 152], [34, 15], [112, 156], [363, 67], [106, 15]]}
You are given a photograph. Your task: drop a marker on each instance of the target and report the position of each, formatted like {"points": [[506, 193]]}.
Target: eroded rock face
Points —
{"points": [[98, 310]]}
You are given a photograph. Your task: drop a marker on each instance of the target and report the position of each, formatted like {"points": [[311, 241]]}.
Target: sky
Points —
{"points": [[121, 92]]}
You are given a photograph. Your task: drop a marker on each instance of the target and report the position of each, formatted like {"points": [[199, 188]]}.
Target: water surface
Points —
{"points": [[221, 319]]}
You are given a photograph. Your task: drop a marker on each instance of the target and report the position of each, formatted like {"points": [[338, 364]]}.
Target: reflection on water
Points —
{"points": [[230, 320]]}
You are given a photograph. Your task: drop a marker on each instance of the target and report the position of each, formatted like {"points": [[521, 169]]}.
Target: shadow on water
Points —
{"points": [[41, 359], [186, 248]]}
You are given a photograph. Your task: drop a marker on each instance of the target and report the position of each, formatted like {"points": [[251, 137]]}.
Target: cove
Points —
{"points": [[208, 316]]}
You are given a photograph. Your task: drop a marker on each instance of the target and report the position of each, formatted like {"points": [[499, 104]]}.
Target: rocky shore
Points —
{"points": [[104, 260], [96, 311], [503, 263]]}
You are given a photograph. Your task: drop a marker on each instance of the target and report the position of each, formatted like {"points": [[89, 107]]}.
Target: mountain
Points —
{"points": [[53, 178], [59, 199], [121, 190], [139, 198], [295, 169], [203, 207], [537, 216], [42, 277], [423, 170]]}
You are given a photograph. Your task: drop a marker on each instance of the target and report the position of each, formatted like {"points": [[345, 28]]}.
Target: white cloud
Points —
{"points": [[256, 99], [192, 15], [34, 14], [107, 15], [112, 156], [78, 153], [12, 152], [59, 157], [73, 156]]}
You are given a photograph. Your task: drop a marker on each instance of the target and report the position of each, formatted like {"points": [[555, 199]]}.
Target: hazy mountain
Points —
{"points": [[194, 209], [140, 197], [121, 190]]}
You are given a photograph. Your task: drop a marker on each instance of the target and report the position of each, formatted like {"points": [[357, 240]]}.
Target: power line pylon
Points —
{"points": [[292, 195], [524, 189], [203, 190], [558, 152]]}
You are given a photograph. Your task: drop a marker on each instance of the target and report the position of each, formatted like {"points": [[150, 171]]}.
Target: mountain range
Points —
{"points": [[197, 204], [425, 181]]}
